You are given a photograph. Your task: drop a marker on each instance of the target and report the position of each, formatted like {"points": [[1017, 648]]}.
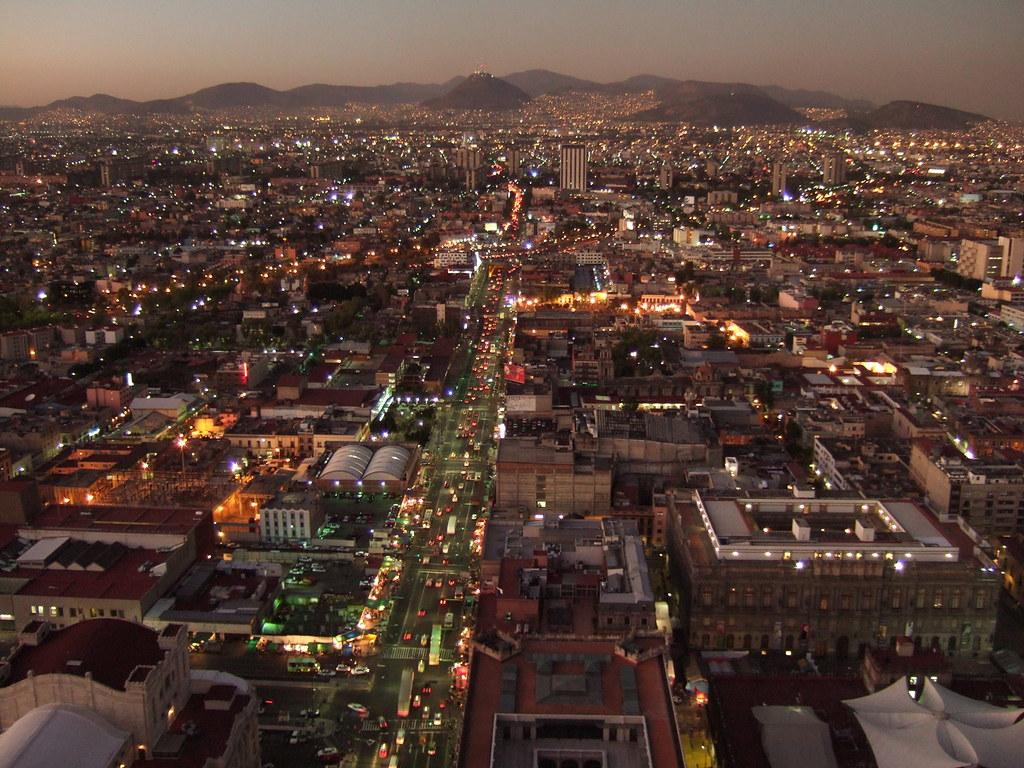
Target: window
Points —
{"points": [[823, 603], [845, 602], [919, 599], [896, 599], [748, 597], [730, 597], [937, 599], [766, 598], [706, 596], [979, 600], [954, 600]]}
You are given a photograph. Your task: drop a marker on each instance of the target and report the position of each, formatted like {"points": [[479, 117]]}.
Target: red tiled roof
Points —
{"points": [[167, 520], [652, 689], [110, 649], [121, 581]]}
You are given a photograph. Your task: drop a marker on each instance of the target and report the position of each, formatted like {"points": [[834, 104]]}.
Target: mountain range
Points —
{"points": [[689, 101]]}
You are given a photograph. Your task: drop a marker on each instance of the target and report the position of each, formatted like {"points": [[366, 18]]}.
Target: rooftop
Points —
{"points": [[108, 649], [789, 528]]}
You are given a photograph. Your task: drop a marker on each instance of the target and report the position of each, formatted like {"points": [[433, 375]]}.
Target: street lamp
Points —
{"points": [[181, 442]]}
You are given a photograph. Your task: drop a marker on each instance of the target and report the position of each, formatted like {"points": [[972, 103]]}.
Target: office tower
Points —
{"points": [[666, 177], [833, 169], [468, 158], [514, 158], [778, 179], [711, 168], [573, 170]]}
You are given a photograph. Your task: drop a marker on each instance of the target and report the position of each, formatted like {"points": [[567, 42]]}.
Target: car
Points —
{"points": [[310, 713], [328, 755], [427, 689], [432, 749], [358, 708], [424, 639], [421, 612], [360, 670], [421, 666], [417, 700], [437, 718], [297, 737], [382, 750], [426, 712], [382, 723], [400, 737], [407, 636]]}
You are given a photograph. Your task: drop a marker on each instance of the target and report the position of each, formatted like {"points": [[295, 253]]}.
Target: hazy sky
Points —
{"points": [[963, 53]]}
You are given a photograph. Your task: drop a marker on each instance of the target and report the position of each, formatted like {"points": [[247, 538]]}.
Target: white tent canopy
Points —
{"points": [[944, 730], [794, 737]]}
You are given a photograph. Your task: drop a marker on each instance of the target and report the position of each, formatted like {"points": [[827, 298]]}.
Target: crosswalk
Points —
{"points": [[403, 652], [410, 725], [408, 653]]}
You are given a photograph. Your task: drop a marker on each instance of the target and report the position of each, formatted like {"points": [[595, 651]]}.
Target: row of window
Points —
{"points": [[57, 611], [846, 601]]}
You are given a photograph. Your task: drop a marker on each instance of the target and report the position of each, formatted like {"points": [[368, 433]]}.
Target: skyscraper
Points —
{"points": [[514, 159], [833, 169], [666, 176], [778, 179], [573, 170]]}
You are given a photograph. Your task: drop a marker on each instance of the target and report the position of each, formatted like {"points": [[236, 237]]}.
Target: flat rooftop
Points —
{"points": [[771, 528]]}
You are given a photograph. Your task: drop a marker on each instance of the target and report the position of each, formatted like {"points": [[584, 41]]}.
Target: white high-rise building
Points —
{"points": [[573, 170]]}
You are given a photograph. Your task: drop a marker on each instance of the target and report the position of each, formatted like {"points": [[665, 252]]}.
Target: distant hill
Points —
{"points": [[798, 98], [538, 82], [480, 91], [920, 116], [703, 103], [98, 102], [680, 100]]}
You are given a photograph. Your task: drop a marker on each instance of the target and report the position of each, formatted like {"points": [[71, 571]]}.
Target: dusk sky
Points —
{"points": [[960, 53]]}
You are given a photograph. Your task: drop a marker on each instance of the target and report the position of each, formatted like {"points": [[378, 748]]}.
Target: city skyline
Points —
{"points": [[60, 51]]}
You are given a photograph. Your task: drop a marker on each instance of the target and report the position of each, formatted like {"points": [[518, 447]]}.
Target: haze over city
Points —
{"points": [[952, 53], [521, 385]]}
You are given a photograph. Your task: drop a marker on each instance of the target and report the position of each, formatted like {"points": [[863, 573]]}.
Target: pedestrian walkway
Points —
{"points": [[409, 725], [407, 653]]}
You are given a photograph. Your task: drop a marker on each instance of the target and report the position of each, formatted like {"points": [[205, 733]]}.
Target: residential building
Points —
{"points": [[572, 172], [988, 494], [293, 516]]}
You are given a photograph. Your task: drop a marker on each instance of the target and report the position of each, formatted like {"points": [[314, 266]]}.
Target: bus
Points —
{"points": [[452, 524], [449, 620], [304, 664], [435, 646], [405, 692]]}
